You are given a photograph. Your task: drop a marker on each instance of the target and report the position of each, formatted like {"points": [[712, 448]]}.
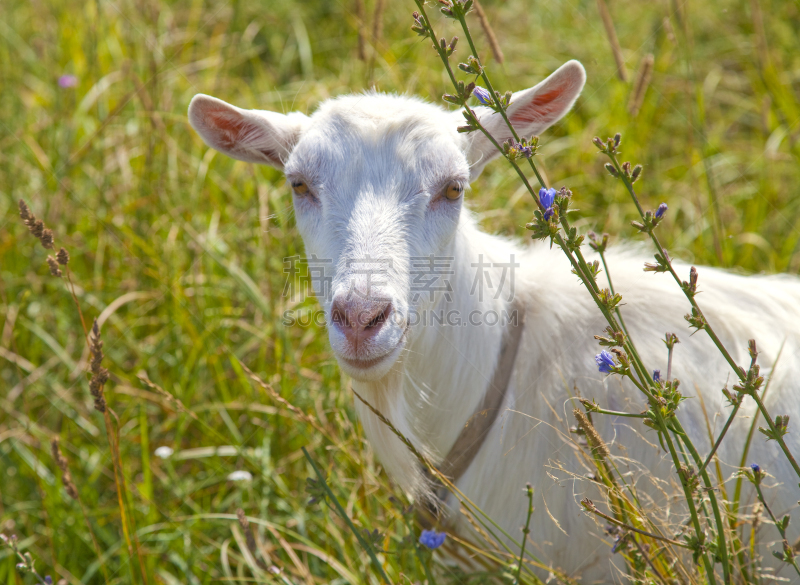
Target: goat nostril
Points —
{"points": [[350, 320], [380, 318], [339, 317]]}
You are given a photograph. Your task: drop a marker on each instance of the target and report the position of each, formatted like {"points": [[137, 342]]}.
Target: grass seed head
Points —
{"points": [[66, 476], [99, 374], [54, 269], [36, 226], [595, 441], [25, 213], [63, 257]]}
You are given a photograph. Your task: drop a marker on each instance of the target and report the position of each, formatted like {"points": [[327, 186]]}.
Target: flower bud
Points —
{"points": [[482, 95], [693, 279]]}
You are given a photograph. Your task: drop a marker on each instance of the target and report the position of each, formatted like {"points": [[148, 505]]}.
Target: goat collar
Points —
{"points": [[477, 426]]}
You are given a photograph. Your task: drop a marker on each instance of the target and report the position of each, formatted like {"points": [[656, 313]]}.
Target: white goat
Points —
{"points": [[378, 182]]}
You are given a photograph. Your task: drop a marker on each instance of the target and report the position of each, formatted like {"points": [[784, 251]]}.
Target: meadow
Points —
{"points": [[180, 254]]}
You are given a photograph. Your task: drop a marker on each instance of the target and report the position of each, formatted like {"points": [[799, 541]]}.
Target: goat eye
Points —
{"points": [[453, 191], [300, 187]]}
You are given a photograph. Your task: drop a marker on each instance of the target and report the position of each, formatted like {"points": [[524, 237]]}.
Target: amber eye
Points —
{"points": [[300, 187], [453, 191]]}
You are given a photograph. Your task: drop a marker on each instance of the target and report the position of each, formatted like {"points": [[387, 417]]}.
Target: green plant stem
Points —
{"points": [[611, 288], [617, 413], [786, 546], [746, 449], [740, 373], [722, 433], [722, 547], [341, 511], [118, 479], [660, 248], [525, 532], [775, 432], [709, 567], [463, 21]]}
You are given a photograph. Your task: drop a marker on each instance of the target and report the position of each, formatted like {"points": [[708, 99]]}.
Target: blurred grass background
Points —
{"points": [[179, 251]]}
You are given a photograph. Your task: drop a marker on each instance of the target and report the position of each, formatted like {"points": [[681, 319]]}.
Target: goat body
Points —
{"points": [[378, 184]]}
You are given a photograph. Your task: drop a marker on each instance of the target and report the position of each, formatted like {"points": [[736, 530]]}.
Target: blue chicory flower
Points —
{"points": [[605, 361], [656, 375], [546, 197], [662, 209], [66, 81], [482, 95], [431, 538], [756, 468]]}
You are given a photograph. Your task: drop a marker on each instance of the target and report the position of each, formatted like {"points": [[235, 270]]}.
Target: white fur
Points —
{"points": [[376, 165]]}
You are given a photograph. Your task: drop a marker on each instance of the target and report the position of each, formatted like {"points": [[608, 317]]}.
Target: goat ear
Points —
{"points": [[255, 136], [531, 112]]}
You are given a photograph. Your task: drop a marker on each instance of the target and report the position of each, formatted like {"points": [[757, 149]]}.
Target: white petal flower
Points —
{"points": [[164, 452], [240, 475]]}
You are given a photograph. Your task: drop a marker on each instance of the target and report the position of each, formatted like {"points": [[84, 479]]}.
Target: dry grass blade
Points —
{"points": [[281, 400], [611, 33], [362, 33], [142, 375], [377, 22], [489, 32], [643, 77], [590, 507]]}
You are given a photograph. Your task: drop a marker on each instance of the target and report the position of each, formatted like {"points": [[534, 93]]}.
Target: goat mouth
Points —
{"points": [[365, 365]]}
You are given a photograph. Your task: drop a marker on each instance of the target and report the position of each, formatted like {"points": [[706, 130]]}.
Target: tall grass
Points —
{"points": [[178, 254]]}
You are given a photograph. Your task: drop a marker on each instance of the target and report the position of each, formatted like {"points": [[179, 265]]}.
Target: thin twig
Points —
{"points": [[590, 507]]}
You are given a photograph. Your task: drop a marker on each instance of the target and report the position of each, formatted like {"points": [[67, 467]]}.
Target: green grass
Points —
{"points": [[188, 248]]}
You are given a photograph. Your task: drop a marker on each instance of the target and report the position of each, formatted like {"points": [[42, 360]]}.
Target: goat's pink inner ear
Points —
{"points": [[233, 131], [229, 126], [542, 108]]}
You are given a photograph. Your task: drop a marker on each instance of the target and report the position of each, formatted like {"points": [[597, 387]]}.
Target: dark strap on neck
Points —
{"points": [[477, 427]]}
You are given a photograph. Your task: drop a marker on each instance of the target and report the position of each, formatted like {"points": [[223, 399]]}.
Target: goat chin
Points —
{"points": [[374, 370]]}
